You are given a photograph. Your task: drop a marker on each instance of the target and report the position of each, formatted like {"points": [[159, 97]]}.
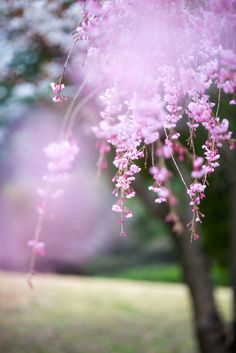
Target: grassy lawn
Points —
{"points": [[92, 315], [153, 273], [168, 274]]}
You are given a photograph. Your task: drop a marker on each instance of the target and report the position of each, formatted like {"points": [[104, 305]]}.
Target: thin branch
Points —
{"points": [[176, 165], [218, 102], [77, 110], [70, 108]]}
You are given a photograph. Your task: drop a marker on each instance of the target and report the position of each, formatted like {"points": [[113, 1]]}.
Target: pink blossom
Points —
{"points": [[57, 99], [61, 156], [162, 193], [196, 188], [57, 87], [134, 169], [57, 194], [42, 192], [196, 193], [200, 110], [166, 150], [61, 150], [130, 194], [39, 247], [41, 210], [160, 175], [198, 161], [198, 172], [117, 208]]}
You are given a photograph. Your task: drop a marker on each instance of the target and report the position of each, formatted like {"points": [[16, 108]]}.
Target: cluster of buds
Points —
{"points": [[161, 177], [57, 90], [123, 179], [200, 110], [196, 193], [201, 170], [37, 246], [211, 155], [166, 150], [198, 172], [61, 156], [219, 131]]}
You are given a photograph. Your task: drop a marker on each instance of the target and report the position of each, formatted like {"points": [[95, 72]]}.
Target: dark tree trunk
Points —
{"points": [[208, 325], [233, 245]]}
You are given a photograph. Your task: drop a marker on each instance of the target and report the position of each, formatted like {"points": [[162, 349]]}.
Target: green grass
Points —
{"points": [[167, 274], [153, 273], [87, 315]]}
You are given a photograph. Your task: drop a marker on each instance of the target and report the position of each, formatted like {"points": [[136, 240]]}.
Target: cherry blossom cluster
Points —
{"points": [[120, 132], [161, 176], [156, 65], [38, 246], [123, 179], [158, 81], [60, 157], [57, 90]]}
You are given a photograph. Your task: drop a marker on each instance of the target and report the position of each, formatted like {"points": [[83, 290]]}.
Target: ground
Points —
{"points": [[95, 315]]}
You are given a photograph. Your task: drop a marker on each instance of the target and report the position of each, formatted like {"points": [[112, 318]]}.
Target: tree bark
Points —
{"points": [[208, 324], [209, 327], [233, 246]]}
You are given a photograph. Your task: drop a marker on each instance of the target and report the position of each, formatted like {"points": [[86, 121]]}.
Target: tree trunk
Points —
{"points": [[233, 246], [208, 325]]}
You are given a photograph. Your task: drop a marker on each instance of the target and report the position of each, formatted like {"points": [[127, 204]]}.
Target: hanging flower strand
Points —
{"points": [[61, 155], [58, 87], [153, 86]]}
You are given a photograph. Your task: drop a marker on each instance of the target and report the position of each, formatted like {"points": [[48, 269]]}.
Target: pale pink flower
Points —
{"points": [[39, 247], [57, 87], [57, 194], [116, 208], [57, 99]]}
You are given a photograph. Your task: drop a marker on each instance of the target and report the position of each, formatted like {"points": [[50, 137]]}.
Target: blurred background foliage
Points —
{"points": [[35, 38]]}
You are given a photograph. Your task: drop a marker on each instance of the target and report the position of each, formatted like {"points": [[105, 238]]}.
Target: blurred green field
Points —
{"points": [[94, 315], [168, 274]]}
